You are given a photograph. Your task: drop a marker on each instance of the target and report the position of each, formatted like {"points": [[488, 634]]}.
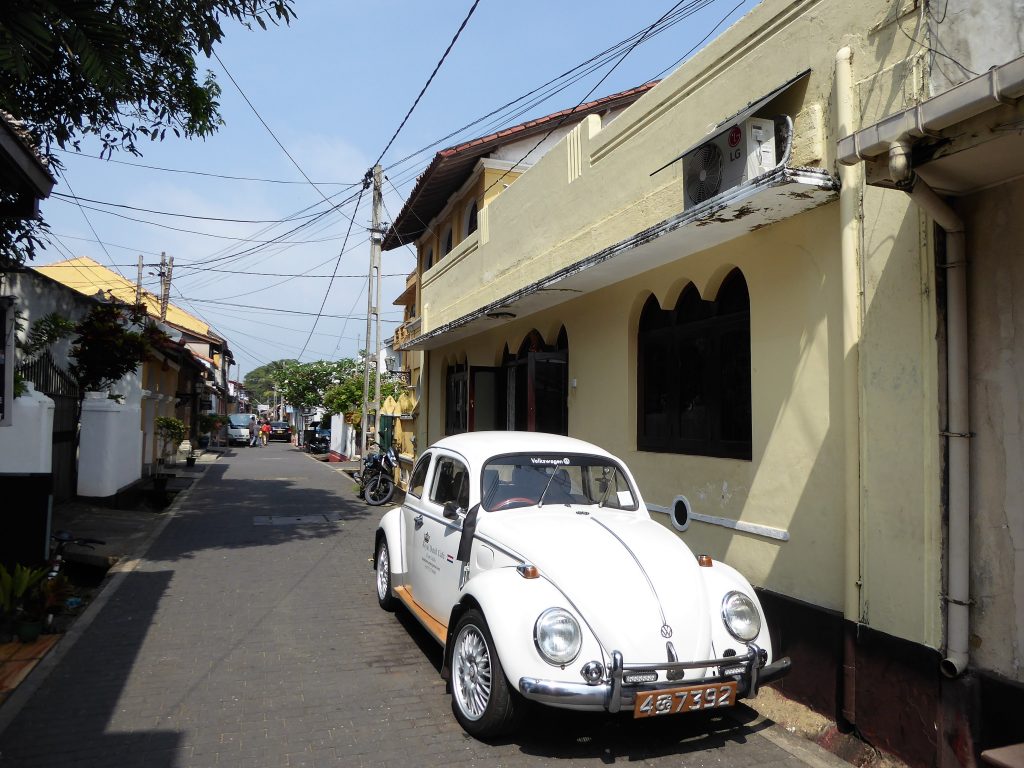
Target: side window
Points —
{"points": [[419, 476], [451, 483]]}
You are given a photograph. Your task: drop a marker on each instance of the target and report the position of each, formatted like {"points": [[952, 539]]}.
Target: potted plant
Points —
{"points": [[22, 601], [171, 432]]}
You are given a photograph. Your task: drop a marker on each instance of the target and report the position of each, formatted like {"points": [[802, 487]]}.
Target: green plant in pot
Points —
{"points": [[22, 601], [171, 432]]}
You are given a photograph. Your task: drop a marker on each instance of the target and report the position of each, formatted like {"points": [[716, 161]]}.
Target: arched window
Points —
{"points": [[693, 374], [470, 219], [447, 243], [428, 258]]}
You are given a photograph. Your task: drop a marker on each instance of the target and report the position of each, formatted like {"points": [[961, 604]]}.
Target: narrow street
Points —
{"points": [[245, 638]]}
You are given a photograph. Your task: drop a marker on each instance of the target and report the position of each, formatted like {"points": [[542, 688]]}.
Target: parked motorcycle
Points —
{"points": [[377, 478]]}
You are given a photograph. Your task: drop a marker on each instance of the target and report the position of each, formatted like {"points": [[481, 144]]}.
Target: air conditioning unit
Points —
{"points": [[741, 152]]}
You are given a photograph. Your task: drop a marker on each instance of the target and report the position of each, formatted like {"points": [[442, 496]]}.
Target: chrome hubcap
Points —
{"points": [[382, 571], [472, 668]]}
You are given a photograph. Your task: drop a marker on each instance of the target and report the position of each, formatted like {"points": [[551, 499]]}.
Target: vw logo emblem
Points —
{"points": [[666, 631]]}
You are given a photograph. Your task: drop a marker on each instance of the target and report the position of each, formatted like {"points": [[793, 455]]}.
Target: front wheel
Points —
{"points": [[481, 699], [384, 596], [379, 489]]}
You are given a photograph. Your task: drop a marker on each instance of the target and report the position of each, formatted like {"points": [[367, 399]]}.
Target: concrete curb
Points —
{"points": [[115, 577]]}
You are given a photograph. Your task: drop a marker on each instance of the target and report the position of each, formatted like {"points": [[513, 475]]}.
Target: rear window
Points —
{"points": [[239, 419], [278, 424]]}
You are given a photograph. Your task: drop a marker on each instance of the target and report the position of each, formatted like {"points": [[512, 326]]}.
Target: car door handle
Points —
{"points": [[418, 520]]}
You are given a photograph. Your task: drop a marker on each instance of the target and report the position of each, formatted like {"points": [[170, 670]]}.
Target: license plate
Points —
{"points": [[692, 698]]}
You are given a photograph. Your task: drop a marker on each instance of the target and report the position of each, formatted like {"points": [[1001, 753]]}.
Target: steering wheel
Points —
{"points": [[514, 499]]}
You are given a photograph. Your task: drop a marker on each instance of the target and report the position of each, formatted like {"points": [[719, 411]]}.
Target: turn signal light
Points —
{"points": [[528, 571], [704, 561]]}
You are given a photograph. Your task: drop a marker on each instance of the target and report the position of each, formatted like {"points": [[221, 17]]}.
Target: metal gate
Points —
{"points": [[58, 385]]}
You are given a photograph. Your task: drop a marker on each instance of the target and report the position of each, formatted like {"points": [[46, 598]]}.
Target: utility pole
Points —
{"points": [[373, 310], [166, 270], [138, 283]]}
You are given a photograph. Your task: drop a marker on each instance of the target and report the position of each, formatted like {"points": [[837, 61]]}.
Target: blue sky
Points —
{"points": [[333, 87]]}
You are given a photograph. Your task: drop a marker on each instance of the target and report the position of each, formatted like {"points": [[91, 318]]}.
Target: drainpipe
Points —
{"points": [[958, 544], [849, 212]]}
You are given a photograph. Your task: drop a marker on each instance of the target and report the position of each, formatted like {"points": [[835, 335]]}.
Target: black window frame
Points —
{"points": [[715, 337], [423, 465], [456, 399]]}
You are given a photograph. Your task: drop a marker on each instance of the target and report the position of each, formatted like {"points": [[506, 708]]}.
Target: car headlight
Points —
{"points": [[740, 616], [557, 636]]}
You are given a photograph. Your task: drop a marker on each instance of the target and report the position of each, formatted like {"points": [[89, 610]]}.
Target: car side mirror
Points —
{"points": [[451, 510]]}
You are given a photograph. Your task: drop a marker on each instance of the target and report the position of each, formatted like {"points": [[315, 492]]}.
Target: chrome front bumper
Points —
{"points": [[612, 694]]}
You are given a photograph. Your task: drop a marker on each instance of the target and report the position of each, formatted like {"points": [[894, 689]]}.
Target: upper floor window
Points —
{"points": [[693, 374], [470, 219], [428, 258], [447, 243]]}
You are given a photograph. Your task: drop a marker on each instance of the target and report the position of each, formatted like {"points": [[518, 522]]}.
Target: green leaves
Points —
{"points": [[105, 348]]}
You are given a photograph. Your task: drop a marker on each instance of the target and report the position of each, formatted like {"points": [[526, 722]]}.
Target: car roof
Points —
{"points": [[480, 446]]}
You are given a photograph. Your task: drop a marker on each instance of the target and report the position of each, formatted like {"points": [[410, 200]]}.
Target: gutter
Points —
{"points": [[998, 85]]}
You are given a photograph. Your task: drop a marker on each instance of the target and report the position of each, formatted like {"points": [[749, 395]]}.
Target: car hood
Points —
{"points": [[628, 576]]}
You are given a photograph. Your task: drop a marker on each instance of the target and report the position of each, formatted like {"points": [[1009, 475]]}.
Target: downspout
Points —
{"points": [[851, 178], [958, 429]]}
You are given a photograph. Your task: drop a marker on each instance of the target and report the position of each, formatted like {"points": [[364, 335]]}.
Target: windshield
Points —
{"points": [[239, 419], [523, 480]]}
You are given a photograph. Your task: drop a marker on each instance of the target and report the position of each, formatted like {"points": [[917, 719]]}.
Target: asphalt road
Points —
{"points": [[249, 635]]}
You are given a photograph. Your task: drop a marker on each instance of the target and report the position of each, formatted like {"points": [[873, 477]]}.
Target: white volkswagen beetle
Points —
{"points": [[532, 559]]}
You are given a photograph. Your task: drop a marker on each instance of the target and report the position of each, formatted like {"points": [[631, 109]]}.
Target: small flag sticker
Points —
{"points": [[451, 558]]}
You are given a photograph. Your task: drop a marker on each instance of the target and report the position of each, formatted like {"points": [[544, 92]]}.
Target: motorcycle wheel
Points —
{"points": [[379, 490]]}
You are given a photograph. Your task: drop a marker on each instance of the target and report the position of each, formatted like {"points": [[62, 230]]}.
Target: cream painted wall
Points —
{"points": [[996, 284], [543, 214], [550, 218]]}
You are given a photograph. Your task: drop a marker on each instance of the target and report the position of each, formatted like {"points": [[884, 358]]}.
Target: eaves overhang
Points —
{"points": [[772, 197], [962, 140]]}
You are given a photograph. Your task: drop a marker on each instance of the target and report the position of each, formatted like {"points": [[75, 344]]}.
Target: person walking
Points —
{"points": [[254, 432], [264, 433]]}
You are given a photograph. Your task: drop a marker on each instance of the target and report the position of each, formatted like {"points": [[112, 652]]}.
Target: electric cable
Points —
{"points": [[178, 215], [430, 79]]}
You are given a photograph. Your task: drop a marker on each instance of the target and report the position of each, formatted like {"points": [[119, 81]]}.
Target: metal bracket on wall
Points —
{"points": [[739, 525]]}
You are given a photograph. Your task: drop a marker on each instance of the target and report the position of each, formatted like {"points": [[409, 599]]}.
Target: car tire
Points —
{"points": [[482, 701], [379, 489], [385, 597]]}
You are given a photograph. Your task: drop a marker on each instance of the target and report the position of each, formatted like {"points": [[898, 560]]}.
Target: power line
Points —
{"points": [[606, 75], [336, 263], [276, 309], [207, 173], [430, 79], [179, 215], [91, 227]]}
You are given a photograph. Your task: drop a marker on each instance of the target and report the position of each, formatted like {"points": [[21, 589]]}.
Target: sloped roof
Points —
{"points": [[451, 167], [88, 276], [22, 171]]}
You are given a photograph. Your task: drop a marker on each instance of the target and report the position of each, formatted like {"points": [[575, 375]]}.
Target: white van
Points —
{"points": [[238, 428]]}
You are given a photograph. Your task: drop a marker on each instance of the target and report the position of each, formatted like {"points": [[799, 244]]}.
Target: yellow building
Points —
{"points": [[184, 377], [760, 331]]}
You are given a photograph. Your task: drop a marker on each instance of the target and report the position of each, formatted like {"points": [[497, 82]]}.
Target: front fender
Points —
{"points": [[720, 579], [511, 605], [390, 528]]}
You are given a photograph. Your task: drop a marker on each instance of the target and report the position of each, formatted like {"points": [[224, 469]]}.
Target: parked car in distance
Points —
{"points": [[279, 430], [320, 441], [238, 428], [532, 559]]}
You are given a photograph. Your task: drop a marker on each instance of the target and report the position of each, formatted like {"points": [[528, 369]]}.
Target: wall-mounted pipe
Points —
{"points": [[958, 542], [850, 246]]}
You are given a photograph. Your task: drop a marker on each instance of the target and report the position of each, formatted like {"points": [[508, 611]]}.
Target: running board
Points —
{"points": [[432, 625]]}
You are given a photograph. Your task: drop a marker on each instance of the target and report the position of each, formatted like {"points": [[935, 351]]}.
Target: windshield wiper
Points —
{"points": [[540, 501]]}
